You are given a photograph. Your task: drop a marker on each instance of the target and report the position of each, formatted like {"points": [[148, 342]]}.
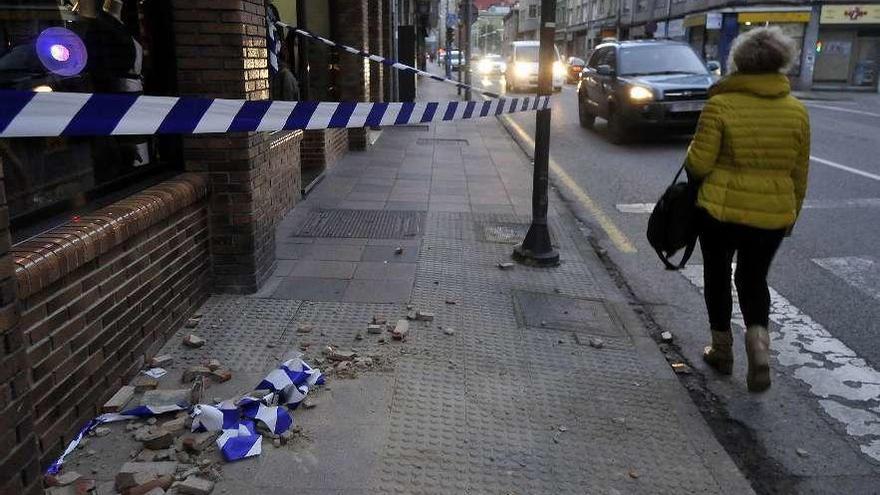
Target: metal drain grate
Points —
{"points": [[417, 128], [541, 310], [442, 141], [364, 224]]}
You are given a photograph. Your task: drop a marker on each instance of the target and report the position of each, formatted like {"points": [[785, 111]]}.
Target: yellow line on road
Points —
{"points": [[618, 238]]}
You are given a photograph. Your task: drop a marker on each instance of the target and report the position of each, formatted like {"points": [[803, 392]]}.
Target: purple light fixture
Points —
{"points": [[61, 51]]}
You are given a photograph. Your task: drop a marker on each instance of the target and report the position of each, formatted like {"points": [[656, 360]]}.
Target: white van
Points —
{"points": [[522, 67]]}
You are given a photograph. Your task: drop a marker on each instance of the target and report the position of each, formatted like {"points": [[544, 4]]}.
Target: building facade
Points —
{"points": [[107, 244], [839, 43]]}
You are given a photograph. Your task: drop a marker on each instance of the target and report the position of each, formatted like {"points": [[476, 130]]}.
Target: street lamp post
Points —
{"points": [[537, 249]]}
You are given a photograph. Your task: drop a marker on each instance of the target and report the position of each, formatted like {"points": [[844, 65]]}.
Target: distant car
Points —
{"points": [[455, 59], [636, 84], [491, 65], [573, 68], [522, 67]]}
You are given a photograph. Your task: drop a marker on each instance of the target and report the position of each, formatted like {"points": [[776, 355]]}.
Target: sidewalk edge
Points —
{"points": [[716, 459]]}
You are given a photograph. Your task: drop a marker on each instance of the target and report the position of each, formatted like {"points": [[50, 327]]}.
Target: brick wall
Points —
{"points": [[386, 42], [349, 25], [323, 148], [377, 46], [100, 296], [221, 51], [19, 459]]}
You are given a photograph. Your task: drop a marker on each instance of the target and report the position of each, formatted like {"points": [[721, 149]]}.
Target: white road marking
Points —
{"points": [[847, 387], [810, 204], [861, 273], [845, 168], [841, 109]]}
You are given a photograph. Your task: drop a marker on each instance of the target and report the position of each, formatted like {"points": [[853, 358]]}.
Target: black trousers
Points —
{"points": [[754, 249]]}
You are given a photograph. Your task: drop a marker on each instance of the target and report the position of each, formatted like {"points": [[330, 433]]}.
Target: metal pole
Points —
{"points": [[394, 24], [460, 52], [467, 49], [537, 248]]}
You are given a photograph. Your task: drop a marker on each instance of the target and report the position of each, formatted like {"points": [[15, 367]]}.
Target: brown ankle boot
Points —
{"points": [[719, 355], [758, 352]]}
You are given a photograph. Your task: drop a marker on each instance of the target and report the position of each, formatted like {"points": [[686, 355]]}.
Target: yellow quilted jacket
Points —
{"points": [[752, 151]]}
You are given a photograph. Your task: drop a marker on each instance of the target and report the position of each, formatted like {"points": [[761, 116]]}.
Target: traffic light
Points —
{"points": [[450, 36]]}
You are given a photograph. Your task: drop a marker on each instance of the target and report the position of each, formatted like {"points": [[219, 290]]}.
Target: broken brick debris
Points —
{"points": [[142, 383], [119, 400], [197, 442], [193, 341], [401, 330], [424, 316], [194, 485], [162, 361], [157, 439], [137, 473], [161, 483]]}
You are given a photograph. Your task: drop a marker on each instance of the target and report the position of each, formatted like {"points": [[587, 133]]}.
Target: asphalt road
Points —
{"points": [[818, 429]]}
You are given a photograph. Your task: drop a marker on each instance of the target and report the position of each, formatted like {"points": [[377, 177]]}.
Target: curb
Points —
{"points": [[716, 459]]}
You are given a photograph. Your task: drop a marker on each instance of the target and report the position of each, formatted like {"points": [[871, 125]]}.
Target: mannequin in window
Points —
{"points": [[115, 65]]}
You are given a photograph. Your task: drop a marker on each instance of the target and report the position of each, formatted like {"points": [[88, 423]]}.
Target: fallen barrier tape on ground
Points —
{"points": [[30, 114], [385, 61], [235, 420]]}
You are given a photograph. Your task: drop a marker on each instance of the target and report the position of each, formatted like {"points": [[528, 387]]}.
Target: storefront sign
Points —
{"points": [[713, 20], [675, 28], [773, 17], [695, 20], [851, 14]]}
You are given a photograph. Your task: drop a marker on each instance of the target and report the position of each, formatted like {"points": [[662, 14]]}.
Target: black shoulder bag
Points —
{"points": [[674, 223]]}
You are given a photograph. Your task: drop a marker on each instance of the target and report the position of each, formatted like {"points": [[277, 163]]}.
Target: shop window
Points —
{"points": [[49, 46]]}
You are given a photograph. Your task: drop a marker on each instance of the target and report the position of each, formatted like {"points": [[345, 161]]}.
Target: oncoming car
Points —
{"points": [[634, 84], [522, 67], [491, 64]]}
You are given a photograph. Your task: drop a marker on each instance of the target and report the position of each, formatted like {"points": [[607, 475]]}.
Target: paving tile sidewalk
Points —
{"points": [[513, 399]]}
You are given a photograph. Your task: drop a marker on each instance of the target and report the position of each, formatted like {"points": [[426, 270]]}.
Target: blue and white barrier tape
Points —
{"points": [[29, 114], [235, 421], [134, 413], [385, 61]]}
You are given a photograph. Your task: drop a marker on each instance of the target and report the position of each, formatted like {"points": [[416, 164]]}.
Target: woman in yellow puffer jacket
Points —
{"points": [[751, 151]]}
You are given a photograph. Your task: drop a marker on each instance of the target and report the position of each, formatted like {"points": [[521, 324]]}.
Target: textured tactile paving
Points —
{"points": [[242, 332], [369, 224], [565, 313]]}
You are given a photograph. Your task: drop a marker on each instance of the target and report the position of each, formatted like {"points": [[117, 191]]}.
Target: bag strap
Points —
{"points": [[685, 257], [678, 174]]}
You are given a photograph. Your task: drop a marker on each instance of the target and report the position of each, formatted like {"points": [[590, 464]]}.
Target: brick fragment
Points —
{"points": [[119, 399]]}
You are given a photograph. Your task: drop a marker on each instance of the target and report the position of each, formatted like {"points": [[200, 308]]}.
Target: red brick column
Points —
{"points": [[19, 458], [377, 46], [221, 48], [349, 25]]}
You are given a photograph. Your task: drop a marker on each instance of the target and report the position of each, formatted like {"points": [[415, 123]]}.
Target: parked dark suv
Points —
{"points": [[636, 84]]}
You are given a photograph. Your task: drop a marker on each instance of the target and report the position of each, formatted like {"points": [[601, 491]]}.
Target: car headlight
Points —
{"points": [[484, 66], [558, 69], [638, 93], [521, 70]]}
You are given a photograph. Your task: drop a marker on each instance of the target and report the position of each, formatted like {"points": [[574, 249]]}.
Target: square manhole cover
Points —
{"points": [[363, 224], [504, 232], [566, 313]]}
